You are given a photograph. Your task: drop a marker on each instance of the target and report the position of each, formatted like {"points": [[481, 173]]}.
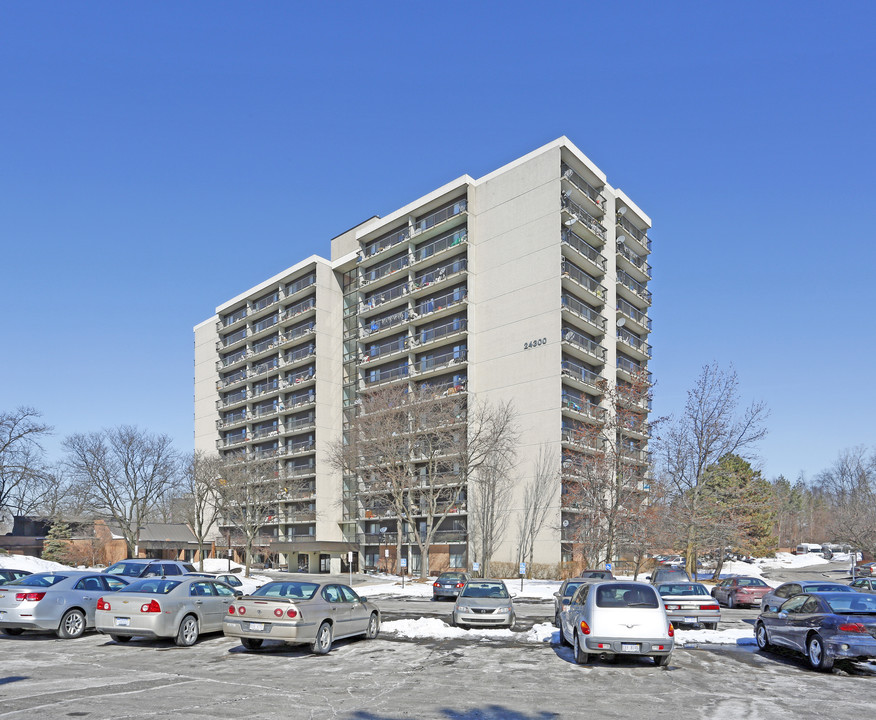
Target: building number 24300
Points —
{"points": [[534, 343]]}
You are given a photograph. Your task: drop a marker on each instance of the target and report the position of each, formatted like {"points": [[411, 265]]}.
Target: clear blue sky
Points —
{"points": [[156, 159]]}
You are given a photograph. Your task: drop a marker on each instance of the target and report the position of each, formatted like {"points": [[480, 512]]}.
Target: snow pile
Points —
{"points": [[729, 636], [219, 565], [436, 629], [543, 632], [32, 564], [787, 560]]}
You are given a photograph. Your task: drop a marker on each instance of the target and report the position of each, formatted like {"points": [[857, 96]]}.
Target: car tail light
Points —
{"points": [[585, 628], [460, 585], [659, 647], [29, 597], [673, 607], [241, 610], [710, 607], [435, 584], [103, 604], [853, 628], [292, 613], [231, 610], [278, 612], [150, 607], [671, 630]]}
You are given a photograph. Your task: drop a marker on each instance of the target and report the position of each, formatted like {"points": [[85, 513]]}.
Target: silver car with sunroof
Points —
{"points": [[484, 602]]}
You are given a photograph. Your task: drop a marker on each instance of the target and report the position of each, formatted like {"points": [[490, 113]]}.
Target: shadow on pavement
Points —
{"points": [[489, 712]]}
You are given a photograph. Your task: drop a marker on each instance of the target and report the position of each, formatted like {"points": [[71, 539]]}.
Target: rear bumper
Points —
{"points": [[615, 645], [846, 647], [32, 619], [693, 616], [298, 632]]}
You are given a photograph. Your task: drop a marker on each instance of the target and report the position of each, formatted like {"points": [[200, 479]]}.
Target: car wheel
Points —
{"points": [[373, 626], [187, 635], [557, 620], [323, 642], [730, 603], [13, 631], [72, 625], [251, 643], [710, 626], [762, 638], [816, 654], [120, 638], [563, 641], [662, 660], [581, 657]]}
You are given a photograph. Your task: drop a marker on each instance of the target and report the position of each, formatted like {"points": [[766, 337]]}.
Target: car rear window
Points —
{"points": [[751, 582], [451, 576], [828, 587], [38, 580], [626, 596], [682, 589], [151, 586], [851, 603], [291, 590], [485, 590], [126, 568]]}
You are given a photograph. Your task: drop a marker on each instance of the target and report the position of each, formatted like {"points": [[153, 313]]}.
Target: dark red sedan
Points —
{"points": [[735, 591]]}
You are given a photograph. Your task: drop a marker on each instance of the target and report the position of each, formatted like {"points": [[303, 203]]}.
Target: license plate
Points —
{"points": [[123, 622], [256, 626], [630, 647], [690, 620]]}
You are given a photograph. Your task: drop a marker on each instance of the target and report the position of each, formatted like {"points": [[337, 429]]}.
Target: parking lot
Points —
{"points": [[525, 675]]}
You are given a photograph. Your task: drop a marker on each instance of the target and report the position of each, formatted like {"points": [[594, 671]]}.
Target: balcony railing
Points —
{"points": [[635, 454], [299, 447], [299, 354], [584, 217], [633, 341], [436, 246], [300, 284], [583, 311], [231, 419], [266, 323], [441, 273], [633, 286], [633, 313], [299, 399], [633, 368], [298, 423], [232, 378], [297, 332], [234, 317], [439, 216], [440, 331], [264, 367], [578, 372], [233, 338], [297, 471], [235, 357], [266, 301], [374, 325], [441, 302], [436, 362], [585, 407], [585, 187], [386, 242], [389, 348], [584, 343], [264, 410], [580, 438], [636, 260], [230, 440], [266, 344], [299, 377], [233, 398], [385, 376], [583, 247], [270, 431], [264, 388], [299, 308], [384, 296], [638, 235], [384, 269], [583, 279]]}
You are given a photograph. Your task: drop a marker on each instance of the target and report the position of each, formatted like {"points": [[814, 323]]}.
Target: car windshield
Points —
{"points": [[852, 603], [682, 589], [455, 577], [827, 587], [291, 590], [151, 586], [38, 580], [626, 596], [751, 582], [571, 588], [485, 590], [126, 568]]}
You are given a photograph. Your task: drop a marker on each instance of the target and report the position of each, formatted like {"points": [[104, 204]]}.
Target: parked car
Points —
{"points": [[563, 596], [484, 602], [668, 574], [867, 585], [143, 568], [825, 627], [301, 612], [449, 584], [62, 601], [617, 618], [740, 591], [777, 596], [8, 574], [181, 608], [689, 604], [866, 569], [230, 579]]}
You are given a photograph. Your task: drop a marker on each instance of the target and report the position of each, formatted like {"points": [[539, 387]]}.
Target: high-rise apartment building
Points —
{"points": [[529, 284]]}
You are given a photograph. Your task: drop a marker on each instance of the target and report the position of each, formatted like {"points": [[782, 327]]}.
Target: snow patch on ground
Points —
{"points": [[32, 564], [787, 560], [730, 636]]}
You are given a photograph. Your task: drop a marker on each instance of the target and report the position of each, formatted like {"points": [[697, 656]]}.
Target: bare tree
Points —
{"points": [[708, 428], [123, 473], [850, 487], [199, 497], [24, 476], [248, 495], [539, 497]]}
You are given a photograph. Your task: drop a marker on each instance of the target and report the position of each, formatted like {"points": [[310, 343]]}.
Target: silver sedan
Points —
{"points": [[63, 601], [484, 602], [301, 613], [181, 608]]}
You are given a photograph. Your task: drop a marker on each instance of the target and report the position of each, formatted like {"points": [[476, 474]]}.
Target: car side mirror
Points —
{"points": [[556, 594], [647, 577], [363, 599], [238, 593], [783, 615]]}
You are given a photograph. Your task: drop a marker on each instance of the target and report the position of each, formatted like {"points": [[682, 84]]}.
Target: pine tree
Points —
{"points": [[56, 546]]}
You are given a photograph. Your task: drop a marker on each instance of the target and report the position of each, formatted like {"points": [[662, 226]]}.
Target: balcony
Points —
{"points": [[294, 357], [265, 367], [297, 333], [231, 379], [272, 385], [265, 432], [580, 439], [581, 374], [385, 242], [265, 453], [627, 229], [232, 359], [634, 343], [294, 472], [381, 377], [436, 218], [265, 323], [299, 423], [300, 284], [265, 410], [638, 264], [299, 517], [299, 448], [383, 297], [378, 325], [231, 441], [232, 399], [434, 363], [385, 350], [592, 195], [384, 270], [628, 285], [299, 308], [436, 247], [584, 312], [583, 344], [632, 313], [440, 275], [299, 377], [584, 248], [439, 332], [265, 345], [231, 319], [582, 406], [636, 455], [440, 303], [232, 339], [232, 419], [572, 272], [299, 399], [579, 217], [633, 370]]}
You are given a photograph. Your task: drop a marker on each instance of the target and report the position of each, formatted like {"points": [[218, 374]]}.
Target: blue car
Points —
{"points": [[824, 627]]}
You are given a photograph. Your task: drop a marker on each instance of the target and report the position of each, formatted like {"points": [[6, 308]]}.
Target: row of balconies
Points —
{"points": [[286, 361], [431, 221], [298, 400], [440, 537], [253, 307]]}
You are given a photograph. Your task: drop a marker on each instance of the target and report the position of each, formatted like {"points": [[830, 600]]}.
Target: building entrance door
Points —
{"points": [[303, 563]]}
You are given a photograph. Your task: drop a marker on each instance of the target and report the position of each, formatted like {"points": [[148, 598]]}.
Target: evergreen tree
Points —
{"points": [[56, 546]]}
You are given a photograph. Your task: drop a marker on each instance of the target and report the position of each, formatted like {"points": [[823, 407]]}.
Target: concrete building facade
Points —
{"points": [[529, 284]]}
